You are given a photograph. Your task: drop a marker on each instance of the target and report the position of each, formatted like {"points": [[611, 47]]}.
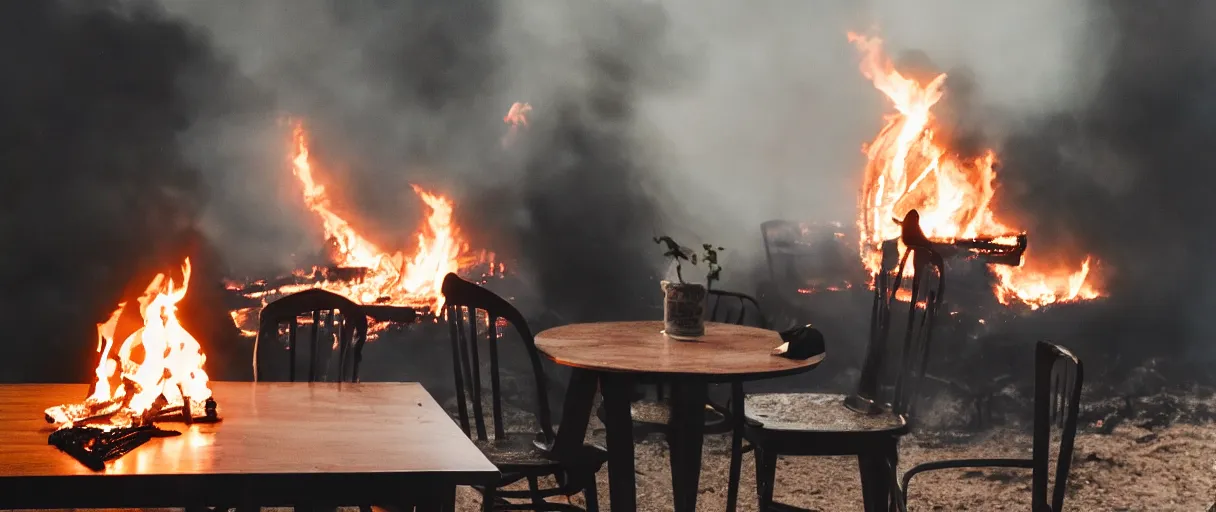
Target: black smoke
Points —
{"points": [[1127, 176], [96, 198], [586, 209], [103, 109]]}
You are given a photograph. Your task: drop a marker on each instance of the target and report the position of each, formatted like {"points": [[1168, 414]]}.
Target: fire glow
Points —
{"points": [[382, 278], [155, 370], [910, 167]]}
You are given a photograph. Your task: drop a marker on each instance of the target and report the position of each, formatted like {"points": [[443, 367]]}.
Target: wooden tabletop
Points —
{"points": [[290, 435], [725, 352]]}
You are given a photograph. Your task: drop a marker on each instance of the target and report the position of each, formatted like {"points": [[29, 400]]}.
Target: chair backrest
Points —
{"points": [[462, 301], [806, 256], [328, 312], [733, 307], [1057, 398], [915, 336]]}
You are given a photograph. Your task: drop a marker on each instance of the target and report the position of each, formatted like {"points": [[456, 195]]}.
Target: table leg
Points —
{"points": [[440, 499], [685, 435], [618, 421], [737, 419], [576, 412]]}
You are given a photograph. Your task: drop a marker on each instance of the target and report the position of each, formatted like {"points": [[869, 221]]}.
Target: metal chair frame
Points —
{"points": [[330, 312], [877, 451], [462, 302], [1057, 397]]}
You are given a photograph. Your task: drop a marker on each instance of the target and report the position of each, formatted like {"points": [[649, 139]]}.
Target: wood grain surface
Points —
{"points": [[725, 352], [293, 434]]}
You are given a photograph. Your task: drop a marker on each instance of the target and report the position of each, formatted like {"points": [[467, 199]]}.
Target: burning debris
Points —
{"points": [[516, 120], [359, 269], [155, 374], [94, 446], [912, 166]]}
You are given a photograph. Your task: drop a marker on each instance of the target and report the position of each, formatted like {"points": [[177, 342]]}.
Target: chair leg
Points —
{"points": [[534, 491], [766, 475], [487, 499], [590, 494]]}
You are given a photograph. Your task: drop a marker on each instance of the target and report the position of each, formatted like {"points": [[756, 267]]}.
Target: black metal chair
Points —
{"points": [[339, 318], [1058, 376], [807, 255], [817, 424], [812, 268], [652, 416], [518, 455]]}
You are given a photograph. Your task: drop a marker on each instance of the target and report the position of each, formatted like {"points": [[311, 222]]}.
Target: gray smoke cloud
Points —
{"points": [[738, 113], [693, 118]]}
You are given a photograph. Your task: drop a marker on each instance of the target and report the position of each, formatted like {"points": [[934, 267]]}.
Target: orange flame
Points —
{"points": [[159, 361], [386, 278], [390, 278], [910, 167]]}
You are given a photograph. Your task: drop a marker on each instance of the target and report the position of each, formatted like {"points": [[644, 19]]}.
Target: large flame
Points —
{"points": [[910, 167], [157, 366], [383, 278]]}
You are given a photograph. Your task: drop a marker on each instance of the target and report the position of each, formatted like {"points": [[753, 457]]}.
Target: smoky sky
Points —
{"points": [[131, 125]]}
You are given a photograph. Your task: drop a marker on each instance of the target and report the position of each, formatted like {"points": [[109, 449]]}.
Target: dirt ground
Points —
{"points": [[1172, 469]]}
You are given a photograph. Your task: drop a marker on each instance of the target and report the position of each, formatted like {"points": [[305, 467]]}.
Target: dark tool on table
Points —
{"points": [[800, 343]]}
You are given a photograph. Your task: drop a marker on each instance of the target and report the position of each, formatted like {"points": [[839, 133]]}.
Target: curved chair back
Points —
{"points": [[733, 307], [329, 312], [1057, 398], [462, 301]]}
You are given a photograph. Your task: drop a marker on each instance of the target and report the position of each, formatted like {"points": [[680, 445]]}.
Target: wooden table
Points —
{"points": [[279, 444], [615, 354]]}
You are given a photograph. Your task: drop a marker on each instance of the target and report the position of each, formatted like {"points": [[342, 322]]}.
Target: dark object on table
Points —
{"points": [[519, 454], [801, 343], [1057, 397], [93, 446]]}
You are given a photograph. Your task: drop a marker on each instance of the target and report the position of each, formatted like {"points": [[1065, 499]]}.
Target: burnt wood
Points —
{"points": [[394, 314], [280, 444], [93, 446]]}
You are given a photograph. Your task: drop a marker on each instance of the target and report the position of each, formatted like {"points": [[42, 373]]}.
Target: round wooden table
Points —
{"points": [[615, 354]]}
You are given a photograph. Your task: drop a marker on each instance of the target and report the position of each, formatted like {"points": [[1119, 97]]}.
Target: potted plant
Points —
{"points": [[684, 303]]}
